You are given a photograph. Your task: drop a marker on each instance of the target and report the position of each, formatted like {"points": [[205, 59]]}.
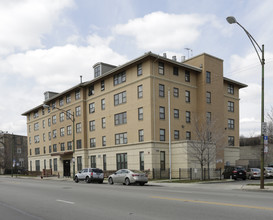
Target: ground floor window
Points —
{"points": [[141, 160], [93, 161], [44, 164], [30, 165], [55, 164], [50, 163], [122, 161], [37, 165], [79, 163], [162, 160], [104, 162]]}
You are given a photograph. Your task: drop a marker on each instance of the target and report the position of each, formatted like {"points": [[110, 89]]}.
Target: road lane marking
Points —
{"points": [[213, 203], [63, 201]]}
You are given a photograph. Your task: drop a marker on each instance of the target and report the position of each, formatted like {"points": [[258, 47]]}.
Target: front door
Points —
{"points": [[66, 167]]}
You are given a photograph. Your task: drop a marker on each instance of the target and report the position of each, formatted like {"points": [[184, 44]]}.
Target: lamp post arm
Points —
{"points": [[253, 42]]}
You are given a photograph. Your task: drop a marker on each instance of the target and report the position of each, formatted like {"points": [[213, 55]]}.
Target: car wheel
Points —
{"points": [[127, 182], [110, 181], [141, 184], [101, 181], [76, 179], [87, 179]]}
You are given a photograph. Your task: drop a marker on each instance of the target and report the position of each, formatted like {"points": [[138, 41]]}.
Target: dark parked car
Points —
{"points": [[235, 173]]}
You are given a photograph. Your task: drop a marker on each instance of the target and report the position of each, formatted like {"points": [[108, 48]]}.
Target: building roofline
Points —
{"points": [[204, 54], [241, 85]]}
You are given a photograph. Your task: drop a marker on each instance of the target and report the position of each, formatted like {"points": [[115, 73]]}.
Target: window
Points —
{"points": [[69, 130], [54, 147], [208, 115], [103, 122], [187, 76], [62, 147], [162, 134], [231, 123], [141, 160], [49, 149], [121, 138], [176, 134], [187, 96], [102, 104], [230, 106], [119, 78], [78, 127], [77, 94], [79, 144], [29, 140], [208, 97], [121, 118], [55, 164], [68, 99], [161, 68], [54, 119], [139, 69], [92, 125], [61, 116], [61, 102], [68, 114], [37, 165], [175, 92], [188, 117], [61, 132], [103, 140], [120, 98], [208, 77], [91, 90], [175, 70], [44, 137], [35, 114], [97, 71], [176, 113], [230, 140], [188, 135], [92, 142], [161, 90], [50, 163], [140, 113], [44, 164], [37, 151], [36, 126], [230, 89], [69, 145], [36, 139], [78, 110], [161, 112], [49, 122], [141, 135], [93, 161], [53, 105], [92, 107], [79, 163], [162, 160], [104, 161], [43, 123], [121, 161], [140, 91]]}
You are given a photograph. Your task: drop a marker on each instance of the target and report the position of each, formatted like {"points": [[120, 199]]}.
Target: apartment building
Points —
{"points": [[129, 116]]}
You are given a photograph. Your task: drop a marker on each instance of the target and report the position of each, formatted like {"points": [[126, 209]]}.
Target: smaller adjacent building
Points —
{"points": [[13, 153]]}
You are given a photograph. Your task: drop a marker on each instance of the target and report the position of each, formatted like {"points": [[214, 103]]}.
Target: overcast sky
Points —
{"points": [[45, 45]]}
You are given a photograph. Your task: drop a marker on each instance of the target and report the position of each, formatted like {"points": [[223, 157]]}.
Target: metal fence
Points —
{"points": [[190, 174]]}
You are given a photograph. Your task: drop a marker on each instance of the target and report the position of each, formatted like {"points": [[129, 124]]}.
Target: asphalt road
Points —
{"points": [[32, 199]]}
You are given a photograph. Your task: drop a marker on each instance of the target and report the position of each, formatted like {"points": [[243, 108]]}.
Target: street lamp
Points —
{"points": [[73, 120], [256, 46]]}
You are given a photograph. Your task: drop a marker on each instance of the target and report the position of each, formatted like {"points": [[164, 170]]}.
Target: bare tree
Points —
{"points": [[208, 136]]}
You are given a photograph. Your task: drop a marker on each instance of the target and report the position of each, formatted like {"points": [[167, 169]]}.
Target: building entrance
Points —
{"points": [[66, 167]]}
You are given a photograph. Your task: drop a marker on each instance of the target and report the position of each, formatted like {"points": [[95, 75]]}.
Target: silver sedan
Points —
{"points": [[127, 177]]}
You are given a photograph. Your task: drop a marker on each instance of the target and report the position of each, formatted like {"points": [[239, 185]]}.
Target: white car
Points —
{"points": [[269, 172], [89, 175], [127, 177]]}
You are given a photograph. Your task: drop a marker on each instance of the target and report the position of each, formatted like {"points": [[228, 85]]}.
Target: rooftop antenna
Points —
{"points": [[188, 49]]}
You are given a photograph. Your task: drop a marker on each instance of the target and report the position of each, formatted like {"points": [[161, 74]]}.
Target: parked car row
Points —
{"points": [[123, 176], [251, 173]]}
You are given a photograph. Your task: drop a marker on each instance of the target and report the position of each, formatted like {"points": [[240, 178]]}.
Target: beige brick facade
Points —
{"points": [[120, 103]]}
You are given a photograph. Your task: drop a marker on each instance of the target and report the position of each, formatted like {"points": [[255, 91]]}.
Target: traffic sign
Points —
{"points": [[264, 128]]}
